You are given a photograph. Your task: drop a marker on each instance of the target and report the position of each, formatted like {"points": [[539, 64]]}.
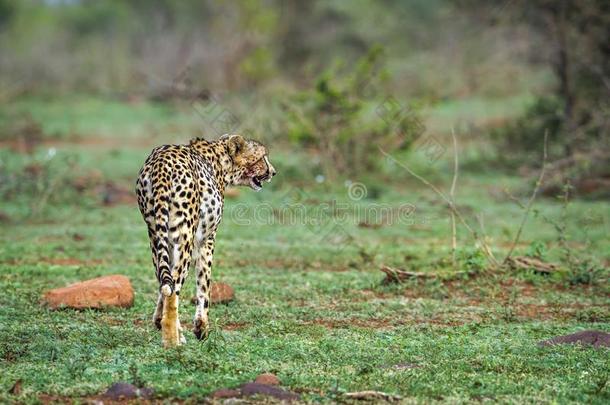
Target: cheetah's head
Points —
{"points": [[251, 161]]}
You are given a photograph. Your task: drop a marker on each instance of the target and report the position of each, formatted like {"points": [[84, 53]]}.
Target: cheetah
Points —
{"points": [[180, 191]]}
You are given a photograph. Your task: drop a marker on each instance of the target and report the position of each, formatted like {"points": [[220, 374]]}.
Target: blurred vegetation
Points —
{"points": [[306, 63], [89, 87], [111, 46], [346, 118], [575, 114]]}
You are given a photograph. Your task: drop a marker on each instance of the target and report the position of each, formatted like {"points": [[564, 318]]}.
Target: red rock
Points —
{"points": [[250, 389], [267, 379], [226, 393], [122, 391], [107, 291], [221, 293]]}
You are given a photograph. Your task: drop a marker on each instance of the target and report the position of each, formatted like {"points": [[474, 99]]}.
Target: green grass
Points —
{"points": [[478, 111], [310, 306]]}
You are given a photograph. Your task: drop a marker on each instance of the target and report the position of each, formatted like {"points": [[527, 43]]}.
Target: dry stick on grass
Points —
{"points": [[452, 196], [530, 202], [393, 274], [486, 250], [532, 263]]}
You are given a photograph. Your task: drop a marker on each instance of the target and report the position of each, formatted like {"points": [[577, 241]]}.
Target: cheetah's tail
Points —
{"points": [[167, 289], [161, 195]]}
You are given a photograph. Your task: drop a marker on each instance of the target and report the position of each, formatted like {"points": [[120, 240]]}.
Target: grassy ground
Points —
{"points": [[310, 306]]}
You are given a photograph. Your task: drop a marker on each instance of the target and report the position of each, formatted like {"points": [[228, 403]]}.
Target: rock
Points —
{"points": [[593, 338], [220, 293], [267, 379], [226, 393], [122, 391], [107, 291], [256, 388], [249, 389]]}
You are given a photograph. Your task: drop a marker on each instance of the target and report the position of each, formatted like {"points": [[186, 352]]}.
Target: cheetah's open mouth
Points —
{"points": [[256, 183]]}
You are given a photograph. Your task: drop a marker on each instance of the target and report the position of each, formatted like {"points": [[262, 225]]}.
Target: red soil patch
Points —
{"points": [[462, 294]]}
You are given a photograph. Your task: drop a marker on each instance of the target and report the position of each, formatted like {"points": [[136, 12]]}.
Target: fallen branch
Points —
{"points": [[394, 275], [531, 263], [398, 275]]}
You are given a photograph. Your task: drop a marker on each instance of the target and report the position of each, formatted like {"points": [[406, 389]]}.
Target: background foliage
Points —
{"points": [[89, 87]]}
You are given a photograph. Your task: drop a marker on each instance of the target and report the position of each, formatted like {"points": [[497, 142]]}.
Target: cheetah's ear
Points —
{"points": [[237, 144]]}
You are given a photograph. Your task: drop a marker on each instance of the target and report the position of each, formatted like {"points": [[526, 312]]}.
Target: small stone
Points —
{"points": [[250, 389], [220, 293], [122, 391], [226, 393], [101, 292], [267, 379], [595, 338]]}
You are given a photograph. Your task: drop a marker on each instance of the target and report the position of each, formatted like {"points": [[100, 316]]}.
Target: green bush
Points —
{"points": [[347, 116]]}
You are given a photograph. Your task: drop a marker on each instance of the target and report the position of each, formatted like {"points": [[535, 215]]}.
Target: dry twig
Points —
{"points": [[531, 263], [452, 196], [398, 275], [484, 247], [528, 206]]}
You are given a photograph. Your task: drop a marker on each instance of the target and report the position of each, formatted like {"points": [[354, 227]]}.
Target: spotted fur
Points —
{"points": [[180, 193]]}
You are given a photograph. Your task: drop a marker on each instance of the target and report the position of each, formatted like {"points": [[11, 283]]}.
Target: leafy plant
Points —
{"points": [[582, 269], [472, 260], [346, 118], [537, 249], [584, 272]]}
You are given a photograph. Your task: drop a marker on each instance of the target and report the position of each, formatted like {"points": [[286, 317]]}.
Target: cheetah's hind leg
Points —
{"points": [[170, 325], [158, 315]]}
